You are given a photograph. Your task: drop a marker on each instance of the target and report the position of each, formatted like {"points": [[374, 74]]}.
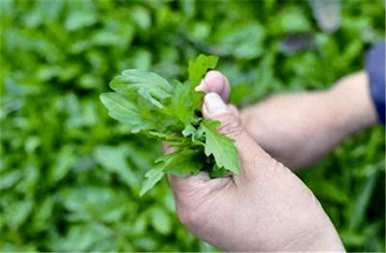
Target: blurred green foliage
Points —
{"points": [[70, 176]]}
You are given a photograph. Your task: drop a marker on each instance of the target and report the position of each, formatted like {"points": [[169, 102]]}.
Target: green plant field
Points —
{"points": [[70, 176]]}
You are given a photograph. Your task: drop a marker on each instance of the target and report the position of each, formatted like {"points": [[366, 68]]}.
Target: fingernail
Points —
{"points": [[200, 87], [214, 103], [216, 79]]}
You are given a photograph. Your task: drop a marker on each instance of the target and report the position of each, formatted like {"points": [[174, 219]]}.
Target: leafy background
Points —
{"points": [[70, 176]]}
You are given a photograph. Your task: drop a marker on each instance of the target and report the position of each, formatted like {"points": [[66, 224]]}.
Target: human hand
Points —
{"points": [[299, 129], [265, 208]]}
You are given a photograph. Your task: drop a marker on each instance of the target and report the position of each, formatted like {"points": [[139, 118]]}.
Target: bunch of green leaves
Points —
{"points": [[170, 112]]}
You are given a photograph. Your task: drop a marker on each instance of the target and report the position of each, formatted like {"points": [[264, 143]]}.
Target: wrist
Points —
{"points": [[351, 105]]}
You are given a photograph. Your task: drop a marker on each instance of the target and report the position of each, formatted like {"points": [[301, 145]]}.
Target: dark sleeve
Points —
{"points": [[375, 67]]}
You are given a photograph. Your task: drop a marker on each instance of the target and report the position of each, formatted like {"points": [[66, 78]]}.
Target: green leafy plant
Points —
{"points": [[170, 112]]}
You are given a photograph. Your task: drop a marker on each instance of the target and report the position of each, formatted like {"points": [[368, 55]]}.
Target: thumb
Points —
{"points": [[215, 81], [252, 156]]}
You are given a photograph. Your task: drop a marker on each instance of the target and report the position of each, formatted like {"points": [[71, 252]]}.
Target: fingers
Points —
{"points": [[233, 109], [215, 81], [191, 183], [190, 192], [180, 182], [252, 156]]}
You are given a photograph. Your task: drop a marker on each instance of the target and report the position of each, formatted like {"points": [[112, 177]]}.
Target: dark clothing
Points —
{"points": [[375, 67]]}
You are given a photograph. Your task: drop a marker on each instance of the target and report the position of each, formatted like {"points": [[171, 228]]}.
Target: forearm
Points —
{"points": [[299, 129], [351, 105], [345, 108]]}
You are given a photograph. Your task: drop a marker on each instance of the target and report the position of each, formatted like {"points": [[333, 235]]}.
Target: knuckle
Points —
{"points": [[230, 125]]}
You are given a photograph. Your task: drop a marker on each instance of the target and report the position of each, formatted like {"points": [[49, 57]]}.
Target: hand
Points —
{"points": [[265, 208], [299, 129]]}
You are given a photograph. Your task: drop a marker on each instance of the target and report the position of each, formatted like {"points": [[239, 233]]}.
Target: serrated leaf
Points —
{"points": [[153, 176], [199, 66], [148, 85], [181, 106], [183, 163], [196, 70], [189, 130], [196, 134], [221, 147], [124, 111]]}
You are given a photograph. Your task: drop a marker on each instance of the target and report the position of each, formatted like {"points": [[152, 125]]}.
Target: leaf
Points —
{"points": [[185, 104], [181, 106], [81, 18], [113, 158], [361, 203], [199, 66], [196, 70], [189, 130], [241, 40], [181, 163], [124, 111], [221, 147], [62, 165], [10, 178], [149, 85], [330, 191], [86, 203], [217, 171], [17, 212], [160, 220], [153, 176]]}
